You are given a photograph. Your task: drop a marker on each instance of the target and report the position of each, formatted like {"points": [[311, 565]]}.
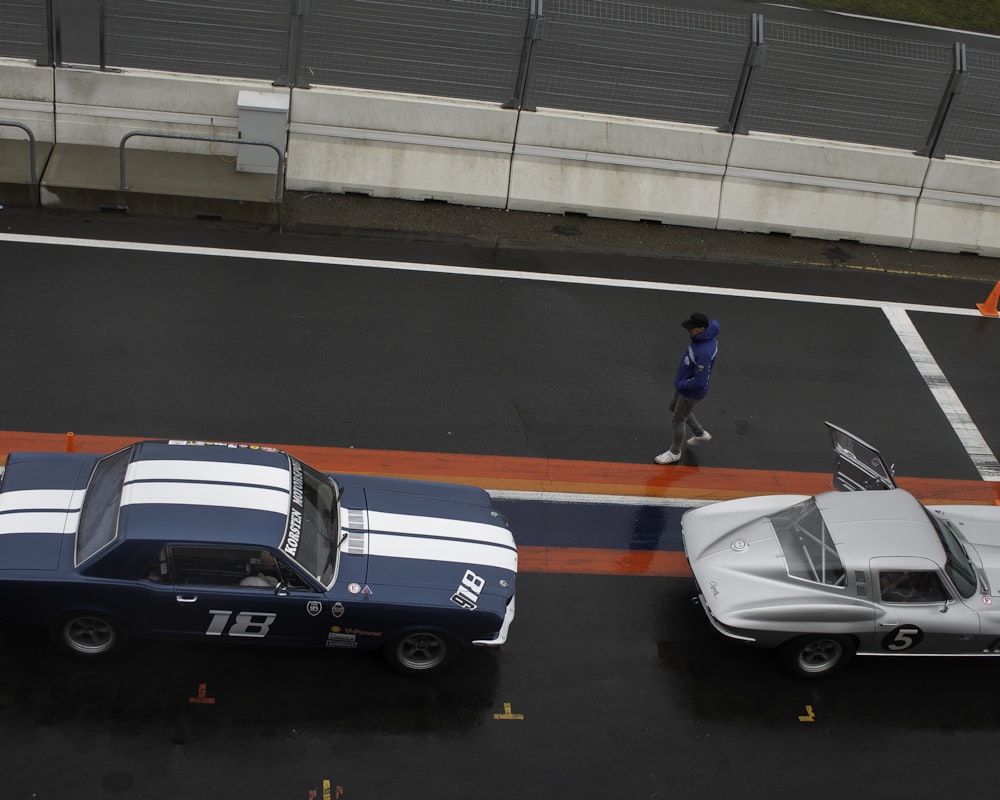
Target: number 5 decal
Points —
{"points": [[247, 623], [902, 638]]}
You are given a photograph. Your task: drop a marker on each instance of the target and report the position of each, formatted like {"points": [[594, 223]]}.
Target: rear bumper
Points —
{"points": [[501, 636], [732, 634]]}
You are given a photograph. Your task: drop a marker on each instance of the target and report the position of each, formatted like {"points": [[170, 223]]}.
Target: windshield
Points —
{"points": [[99, 518], [956, 563], [809, 551], [313, 523]]}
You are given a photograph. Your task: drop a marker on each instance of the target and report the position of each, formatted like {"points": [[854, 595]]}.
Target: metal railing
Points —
{"points": [[631, 58], [279, 180], [32, 157]]}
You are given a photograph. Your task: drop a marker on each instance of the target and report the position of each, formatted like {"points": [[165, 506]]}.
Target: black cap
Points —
{"points": [[696, 320]]}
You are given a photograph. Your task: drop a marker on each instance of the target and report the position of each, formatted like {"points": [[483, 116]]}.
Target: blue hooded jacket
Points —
{"points": [[695, 370]]}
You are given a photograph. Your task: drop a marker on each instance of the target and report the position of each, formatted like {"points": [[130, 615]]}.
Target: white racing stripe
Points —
{"points": [[206, 494], [208, 471], [438, 527], [425, 548], [41, 499], [39, 522]]}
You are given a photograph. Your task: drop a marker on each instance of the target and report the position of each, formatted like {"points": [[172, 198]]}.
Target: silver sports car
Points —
{"points": [[856, 571]]}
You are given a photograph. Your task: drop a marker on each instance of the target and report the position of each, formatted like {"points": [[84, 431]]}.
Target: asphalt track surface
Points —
{"points": [[541, 374]]}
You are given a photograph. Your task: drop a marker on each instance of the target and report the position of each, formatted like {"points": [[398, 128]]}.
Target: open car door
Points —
{"points": [[859, 466]]}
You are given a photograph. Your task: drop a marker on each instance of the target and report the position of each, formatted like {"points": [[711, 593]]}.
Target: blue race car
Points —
{"points": [[238, 543]]}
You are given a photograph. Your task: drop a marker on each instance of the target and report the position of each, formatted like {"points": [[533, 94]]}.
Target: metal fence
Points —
{"points": [[734, 72]]}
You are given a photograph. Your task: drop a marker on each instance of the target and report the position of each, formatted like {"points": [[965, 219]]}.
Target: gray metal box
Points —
{"points": [[263, 118]]}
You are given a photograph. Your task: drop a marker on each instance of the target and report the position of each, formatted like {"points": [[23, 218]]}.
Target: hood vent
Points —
{"points": [[357, 532]]}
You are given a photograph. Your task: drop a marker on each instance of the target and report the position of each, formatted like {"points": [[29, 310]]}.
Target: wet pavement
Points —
{"points": [[610, 686]]}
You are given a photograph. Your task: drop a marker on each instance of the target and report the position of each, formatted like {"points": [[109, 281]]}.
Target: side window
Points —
{"points": [[911, 587], [221, 566], [224, 566], [158, 570]]}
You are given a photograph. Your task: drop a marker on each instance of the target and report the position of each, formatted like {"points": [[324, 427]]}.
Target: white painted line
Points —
{"points": [[975, 445], [450, 269], [597, 499]]}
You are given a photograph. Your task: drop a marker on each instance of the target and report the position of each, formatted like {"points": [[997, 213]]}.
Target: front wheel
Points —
{"points": [[89, 635], [817, 656], [420, 652]]}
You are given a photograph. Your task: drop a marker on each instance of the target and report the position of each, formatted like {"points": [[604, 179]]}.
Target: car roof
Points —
{"points": [[879, 523], [205, 493]]}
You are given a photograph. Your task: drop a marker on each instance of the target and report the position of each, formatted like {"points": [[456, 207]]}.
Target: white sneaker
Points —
{"points": [[703, 437], [667, 457]]}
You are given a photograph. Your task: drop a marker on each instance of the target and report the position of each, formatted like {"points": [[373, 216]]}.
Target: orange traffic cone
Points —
{"points": [[70, 443], [989, 308]]}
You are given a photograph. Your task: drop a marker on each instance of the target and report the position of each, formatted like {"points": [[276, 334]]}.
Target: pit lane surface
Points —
{"points": [[611, 685]]}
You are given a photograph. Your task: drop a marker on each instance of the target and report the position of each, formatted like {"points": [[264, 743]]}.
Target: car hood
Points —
{"points": [[431, 536], [41, 497]]}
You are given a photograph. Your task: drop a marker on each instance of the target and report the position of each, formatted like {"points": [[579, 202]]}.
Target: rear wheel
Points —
{"points": [[818, 655], [420, 652], [89, 635]]}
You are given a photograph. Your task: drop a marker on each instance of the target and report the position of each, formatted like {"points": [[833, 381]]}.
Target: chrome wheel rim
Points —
{"points": [[421, 651], [89, 635], [820, 655]]}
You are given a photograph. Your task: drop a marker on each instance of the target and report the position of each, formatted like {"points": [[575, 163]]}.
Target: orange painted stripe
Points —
{"points": [[593, 561], [550, 475]]}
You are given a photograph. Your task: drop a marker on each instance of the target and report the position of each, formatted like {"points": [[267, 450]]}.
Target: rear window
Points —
{"points": [[99, 519], [810, 554]]}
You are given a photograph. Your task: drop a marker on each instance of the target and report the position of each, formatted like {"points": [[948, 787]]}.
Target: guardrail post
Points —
{"points": [[754, 58], [959, 76], [534, 31], [192, 137], [32, 157]]}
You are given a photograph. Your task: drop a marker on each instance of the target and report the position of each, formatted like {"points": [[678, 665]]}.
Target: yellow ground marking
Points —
{"points": [[506, 713]]}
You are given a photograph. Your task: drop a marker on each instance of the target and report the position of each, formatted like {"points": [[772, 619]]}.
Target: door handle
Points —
{"points": [[185, 599]]}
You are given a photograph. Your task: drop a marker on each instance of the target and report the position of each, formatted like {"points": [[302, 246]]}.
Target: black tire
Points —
{"points": [[420, 652], [817, 655], [89, 635]]}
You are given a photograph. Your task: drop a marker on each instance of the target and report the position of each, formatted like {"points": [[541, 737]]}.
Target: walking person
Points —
{"points": [[691, 384]]}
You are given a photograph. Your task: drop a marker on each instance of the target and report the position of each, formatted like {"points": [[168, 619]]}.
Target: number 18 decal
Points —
{"points": [[467, 593], [247, 623], [902, 638]]}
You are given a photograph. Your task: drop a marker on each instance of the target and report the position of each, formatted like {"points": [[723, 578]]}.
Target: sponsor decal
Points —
{"points": [[467, 593], [367, 591], [313, 607], [987, 600], [338, 609], [354, 588], [341, 640], [355, 631], [294, 530], [231, 445]]}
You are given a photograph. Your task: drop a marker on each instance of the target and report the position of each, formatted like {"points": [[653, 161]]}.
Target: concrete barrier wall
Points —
{"points": [[825, 190], [26, 96], [959, 208], [98, 108], [472, 153], [405, 146], [618, 168]]}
